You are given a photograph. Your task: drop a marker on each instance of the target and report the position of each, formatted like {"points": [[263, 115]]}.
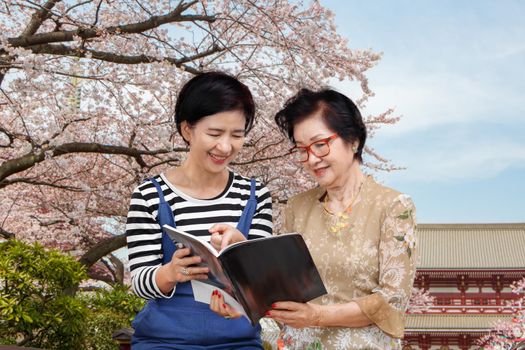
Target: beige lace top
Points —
{"points": [[367, 256]]}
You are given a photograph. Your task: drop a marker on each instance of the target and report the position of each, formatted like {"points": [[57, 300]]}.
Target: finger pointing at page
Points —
{"points": [[226, 234]]}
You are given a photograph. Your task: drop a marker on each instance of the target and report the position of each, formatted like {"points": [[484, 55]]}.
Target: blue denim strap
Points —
{"points": [[165, 217], [249, 211]]}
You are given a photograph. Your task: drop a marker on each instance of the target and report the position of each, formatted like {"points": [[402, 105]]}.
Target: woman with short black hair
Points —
{"points": [[360, 233], [214, 112], [209, 93]]}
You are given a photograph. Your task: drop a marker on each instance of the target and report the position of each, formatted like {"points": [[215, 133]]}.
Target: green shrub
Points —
{"points": [[109, 310], [36, 308]]}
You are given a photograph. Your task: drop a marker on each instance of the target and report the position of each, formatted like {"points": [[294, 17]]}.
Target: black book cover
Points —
{"points": [[259, 272]]}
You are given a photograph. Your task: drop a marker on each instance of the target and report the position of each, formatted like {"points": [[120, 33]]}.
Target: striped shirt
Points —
{"points": [[195, 216]]}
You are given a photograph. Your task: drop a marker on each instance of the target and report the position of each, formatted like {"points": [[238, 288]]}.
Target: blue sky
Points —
{"points": [[455, 72]]}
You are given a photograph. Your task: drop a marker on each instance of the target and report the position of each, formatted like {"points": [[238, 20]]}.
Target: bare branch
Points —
{"points": [[63, 50], [99, 276], [49, 222], [97, 12], [64, 127], [9, 135], [38, 18], [33, 182], [6, 234], [78, 5], [171, 161], [27, 137], [257, 160], [72, 75], [266, 147], [25, 162], [5, 64], [143, 8], [90, 33], [107, 211], [102, 248]]}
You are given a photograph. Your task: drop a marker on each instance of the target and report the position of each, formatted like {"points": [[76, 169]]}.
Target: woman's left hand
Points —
{"points": [[223, 235], [219, 306], [297, 315]]}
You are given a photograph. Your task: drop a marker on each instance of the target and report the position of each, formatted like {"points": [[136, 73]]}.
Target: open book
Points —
{"points": [[255, 273]]}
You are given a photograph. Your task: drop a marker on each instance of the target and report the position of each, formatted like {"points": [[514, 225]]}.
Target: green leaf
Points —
{"points": [[27, 318], [400, 238], [405, 215]]}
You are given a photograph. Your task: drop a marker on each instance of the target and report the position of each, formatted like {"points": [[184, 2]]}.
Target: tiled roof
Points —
{"points": [[451, 323], [472, 246]]}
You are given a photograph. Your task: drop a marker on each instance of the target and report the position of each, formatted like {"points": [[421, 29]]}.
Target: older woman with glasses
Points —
{"points": [[360, 233]]}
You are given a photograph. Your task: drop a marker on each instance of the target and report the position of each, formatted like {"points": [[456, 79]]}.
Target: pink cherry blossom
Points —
{"points": [[88, 92]]}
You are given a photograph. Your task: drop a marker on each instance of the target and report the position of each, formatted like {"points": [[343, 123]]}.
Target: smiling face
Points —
{"points": [[215, 140], [333, 169]]}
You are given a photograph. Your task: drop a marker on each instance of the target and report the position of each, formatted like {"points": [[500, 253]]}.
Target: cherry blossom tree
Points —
{"points": [[420, 301], [87, 92], [509, 334]]}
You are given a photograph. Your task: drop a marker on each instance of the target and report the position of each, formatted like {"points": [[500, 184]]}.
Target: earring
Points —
{"points": [[354, 149]]}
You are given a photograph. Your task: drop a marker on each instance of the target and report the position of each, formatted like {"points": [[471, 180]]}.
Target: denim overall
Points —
{"points": [[180, 322]]}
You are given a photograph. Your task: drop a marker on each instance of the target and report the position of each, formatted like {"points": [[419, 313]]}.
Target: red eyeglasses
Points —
{"points": [[319, 148]]}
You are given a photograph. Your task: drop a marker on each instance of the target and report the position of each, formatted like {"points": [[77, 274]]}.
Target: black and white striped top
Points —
{"points": [[192, 215]]}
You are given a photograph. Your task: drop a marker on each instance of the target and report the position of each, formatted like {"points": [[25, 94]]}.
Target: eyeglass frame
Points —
{"points": [[309, 149]]}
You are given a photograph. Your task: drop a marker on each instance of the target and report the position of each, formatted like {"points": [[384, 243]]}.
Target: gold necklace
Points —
{"points": [[348, 209], [340, 222]]}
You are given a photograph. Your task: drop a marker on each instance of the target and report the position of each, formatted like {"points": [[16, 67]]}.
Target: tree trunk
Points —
{"points": [[102, 249]]}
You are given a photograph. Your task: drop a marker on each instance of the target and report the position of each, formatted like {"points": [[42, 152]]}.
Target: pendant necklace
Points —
{"points": [[340, 220]]}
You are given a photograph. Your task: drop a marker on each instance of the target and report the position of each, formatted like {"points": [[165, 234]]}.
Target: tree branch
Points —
{"points": [[90, 33], [167, 161], [39, 43], [38, 18], [95, 275], [5, 64], [257, 160], [101, 249], [10, 136], [33, 182], [63, 50], [6, 234], [25, 162], [97, 12], [266, 147]]}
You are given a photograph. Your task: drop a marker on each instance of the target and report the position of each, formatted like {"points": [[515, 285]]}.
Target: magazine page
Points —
{"points": [[216, 277], [202, 293]]}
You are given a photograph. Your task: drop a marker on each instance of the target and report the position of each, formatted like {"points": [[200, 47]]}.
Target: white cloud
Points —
{"points": [[428, 101], [453, 128], [457, 160], [505, 52]]}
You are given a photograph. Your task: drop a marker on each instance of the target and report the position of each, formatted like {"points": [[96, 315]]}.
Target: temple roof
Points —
{"points": [[471, 246], [452, 323]]}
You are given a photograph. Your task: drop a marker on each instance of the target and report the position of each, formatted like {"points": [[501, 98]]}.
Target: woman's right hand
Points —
{"points": [[181, 266], [180, 269]]}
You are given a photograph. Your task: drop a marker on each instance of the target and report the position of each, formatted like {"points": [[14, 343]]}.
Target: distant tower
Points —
{"points": [[76, 95]]}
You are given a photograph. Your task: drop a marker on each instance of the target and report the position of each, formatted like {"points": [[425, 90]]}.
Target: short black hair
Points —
{"points": [[340, 113], [213, 92]]}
